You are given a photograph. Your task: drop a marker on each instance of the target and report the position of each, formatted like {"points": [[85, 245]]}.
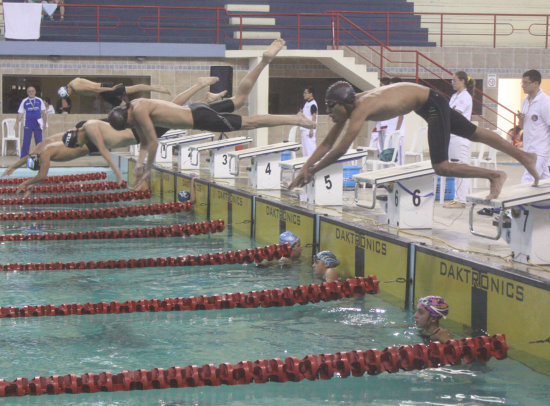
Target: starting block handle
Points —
{"points": [[194, 155], [234, 169], [357, 197], [499, 225]]}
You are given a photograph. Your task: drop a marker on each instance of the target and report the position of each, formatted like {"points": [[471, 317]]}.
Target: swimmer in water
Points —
{"points": [[429, 311]]}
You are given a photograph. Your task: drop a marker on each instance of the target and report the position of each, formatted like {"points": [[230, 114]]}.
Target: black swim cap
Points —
{"points": [[118, 117], [70, 138], [340, 92]]}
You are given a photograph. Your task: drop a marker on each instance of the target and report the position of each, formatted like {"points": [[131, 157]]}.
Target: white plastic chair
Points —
{"points": [[482, 161], [292, 138], [391, 140], [8, 134], [417, 145]]}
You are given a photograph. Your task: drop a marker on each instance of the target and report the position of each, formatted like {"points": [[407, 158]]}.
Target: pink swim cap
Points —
{"points": [[436, 305]]}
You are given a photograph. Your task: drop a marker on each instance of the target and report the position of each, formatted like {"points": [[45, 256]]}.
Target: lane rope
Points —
{"points": [[303, 294], [311, 367], [68, 188], [79, 199], [246, 256], [174, 230], [59, 179], [100, 213]]}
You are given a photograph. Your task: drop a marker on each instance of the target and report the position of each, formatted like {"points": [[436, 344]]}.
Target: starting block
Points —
{"points": [[410, 201], [528, 230], [265, 172], [164, 154], [184, 145], [326, 187], [219, 158], [166, 144]]}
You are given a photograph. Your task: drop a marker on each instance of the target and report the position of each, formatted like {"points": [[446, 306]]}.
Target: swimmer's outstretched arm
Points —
{"points": [[304, 176], [149, 142], [94, 135], [9, 170], [26, 186]]}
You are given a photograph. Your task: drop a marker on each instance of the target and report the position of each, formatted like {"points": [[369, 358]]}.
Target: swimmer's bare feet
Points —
{"points": [[497, 181], [212, 97], [303, 121], [531, 166], [273, 50], [208, 80], [163, 89]]}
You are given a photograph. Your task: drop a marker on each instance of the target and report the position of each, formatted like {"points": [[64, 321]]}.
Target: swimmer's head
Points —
{"points": [[33, 162], [328, 258], [294, 240], [70, 139], [118, 118], [184, 196], [435, 305], [63, 92], [288, 237], [340, 92]]}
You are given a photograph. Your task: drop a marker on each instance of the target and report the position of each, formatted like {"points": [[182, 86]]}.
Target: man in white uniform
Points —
{"points": [[535, 121], [311, 111]]}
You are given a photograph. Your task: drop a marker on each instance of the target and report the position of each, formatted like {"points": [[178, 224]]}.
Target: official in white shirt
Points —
{"points": [[311, 111], [535, 121]]}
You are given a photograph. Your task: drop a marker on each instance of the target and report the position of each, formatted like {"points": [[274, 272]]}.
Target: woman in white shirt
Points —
{"points": [[459, 147]]}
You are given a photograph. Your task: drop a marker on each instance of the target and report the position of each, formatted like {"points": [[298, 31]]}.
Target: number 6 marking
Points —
{"points": [[416, 198]]}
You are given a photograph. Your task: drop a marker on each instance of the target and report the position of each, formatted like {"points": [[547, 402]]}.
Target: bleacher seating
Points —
{"points": [[198, 26]]}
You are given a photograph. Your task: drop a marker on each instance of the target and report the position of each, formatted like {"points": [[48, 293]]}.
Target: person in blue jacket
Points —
{"points": [[33, 111]]}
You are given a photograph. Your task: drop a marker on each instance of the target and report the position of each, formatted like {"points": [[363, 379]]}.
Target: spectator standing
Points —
{"points": [[31, 110], [311, 111], [459, 147], [48, 105], [535, 121]]}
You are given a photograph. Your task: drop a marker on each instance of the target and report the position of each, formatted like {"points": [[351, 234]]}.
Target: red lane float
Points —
{"points": [[242, 257], [312, 367], [174, 230], [59, 179], [110, 212], [68, 188], [247, 256], [78, 199], [303, 294]]}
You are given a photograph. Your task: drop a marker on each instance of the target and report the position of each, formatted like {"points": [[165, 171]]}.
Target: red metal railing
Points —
{"points": [[384, 58], [332, 29]]}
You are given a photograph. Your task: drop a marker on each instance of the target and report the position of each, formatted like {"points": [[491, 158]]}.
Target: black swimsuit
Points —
{"points": [[113, 97], [442, 121], [216, 116]]}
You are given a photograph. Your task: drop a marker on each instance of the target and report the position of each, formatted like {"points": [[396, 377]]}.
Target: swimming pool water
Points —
{"points": [[78, 344]]}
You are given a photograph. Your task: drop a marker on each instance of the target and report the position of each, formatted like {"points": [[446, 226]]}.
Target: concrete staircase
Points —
{"points": [[252, 21], [344, 66], [512, 31]]}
